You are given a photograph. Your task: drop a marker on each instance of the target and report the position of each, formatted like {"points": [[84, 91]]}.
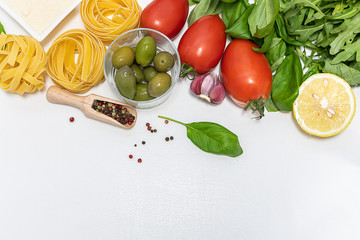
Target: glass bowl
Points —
{"points": [[130, 39]]}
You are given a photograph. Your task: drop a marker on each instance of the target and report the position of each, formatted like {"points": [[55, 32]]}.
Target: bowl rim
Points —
{"points": [[176, 53]]}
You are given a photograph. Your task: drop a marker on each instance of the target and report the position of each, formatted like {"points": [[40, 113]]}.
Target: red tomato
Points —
{"points": [[245, 73], [203, 43], [166, 16]]}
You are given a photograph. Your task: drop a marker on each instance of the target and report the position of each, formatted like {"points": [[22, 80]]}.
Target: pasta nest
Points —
{"points": [[76, 60], [108, 19], [22, 64]]}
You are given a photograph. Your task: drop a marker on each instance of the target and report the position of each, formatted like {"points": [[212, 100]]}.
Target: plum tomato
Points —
{"points": [[203, 44], [165, 16], [246, 74]]}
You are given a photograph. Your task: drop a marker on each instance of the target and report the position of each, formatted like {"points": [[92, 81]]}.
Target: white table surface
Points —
{"points": [[72, 181]]}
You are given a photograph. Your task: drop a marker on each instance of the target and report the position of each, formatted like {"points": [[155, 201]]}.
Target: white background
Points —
{"points": [[74, 181]]}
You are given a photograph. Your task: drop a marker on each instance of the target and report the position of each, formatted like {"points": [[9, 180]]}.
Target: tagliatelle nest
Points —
{"points": [[76, 60], [108, 19], [22, 64]]}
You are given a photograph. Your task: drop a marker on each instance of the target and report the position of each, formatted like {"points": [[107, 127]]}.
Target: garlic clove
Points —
{"points": [[195, 86], [208, 83], [217, 93], [209, 88]]}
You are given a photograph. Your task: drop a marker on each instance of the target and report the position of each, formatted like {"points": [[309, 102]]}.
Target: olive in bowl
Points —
{"points": [[153, 82]]}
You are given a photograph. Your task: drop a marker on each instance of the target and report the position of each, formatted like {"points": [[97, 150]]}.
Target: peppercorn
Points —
{"points": [[71, 119], [167, 139], [143, 142], [115, 111], [171, 138], [130, 156], [139, 160], [166, 121]]}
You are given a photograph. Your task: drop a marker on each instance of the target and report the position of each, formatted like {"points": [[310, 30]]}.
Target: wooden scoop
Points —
{"points": [[84, 103]]}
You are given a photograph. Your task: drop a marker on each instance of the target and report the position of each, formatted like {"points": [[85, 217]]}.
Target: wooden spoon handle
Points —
{"points": [[58, 95]]}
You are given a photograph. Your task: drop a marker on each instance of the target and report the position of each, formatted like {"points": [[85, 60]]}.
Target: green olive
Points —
{"points": [[123, 56], [163, 61], [159, 84], [126, 82], [149, 73], [139, 74], [141, 93], [145, 51]]}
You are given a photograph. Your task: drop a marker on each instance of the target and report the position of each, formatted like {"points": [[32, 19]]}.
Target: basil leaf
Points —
{"points": [[262, 18], [266, 44], [193, 2], [270, 105], [212, 138], [232, 11], [276, 53], [203, 8], [240, 29], [286, 82], [2, 29]]}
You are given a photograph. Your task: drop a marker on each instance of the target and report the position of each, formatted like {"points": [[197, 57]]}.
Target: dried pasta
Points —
{"points": [[22, 64], [110, 18], [76, 60]]}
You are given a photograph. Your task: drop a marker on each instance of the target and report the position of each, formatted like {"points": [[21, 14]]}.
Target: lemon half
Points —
{"points": [[325, 105]]}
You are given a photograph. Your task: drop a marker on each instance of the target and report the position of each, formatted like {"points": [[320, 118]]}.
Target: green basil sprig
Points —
{"points": [[212, 138], [262, 18], [203, 8]]}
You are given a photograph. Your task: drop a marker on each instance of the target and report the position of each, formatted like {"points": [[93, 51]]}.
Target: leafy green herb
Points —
{"points": [[232, 11], [276, 53], [262, 18], [240, 29], [266, 43], [350, 74], [2, 29], [212, 138], [193, 2], [203, 8], [286, 89]]}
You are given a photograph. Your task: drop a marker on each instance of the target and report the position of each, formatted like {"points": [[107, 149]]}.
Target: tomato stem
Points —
{"points": [[186, 70], [257, 105]]}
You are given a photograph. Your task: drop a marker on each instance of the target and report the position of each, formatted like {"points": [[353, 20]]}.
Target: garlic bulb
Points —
{"points": [[209, 88]]}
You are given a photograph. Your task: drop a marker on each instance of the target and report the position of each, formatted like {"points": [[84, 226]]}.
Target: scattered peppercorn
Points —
{"points": [[130, 156], [171, 138], [166, 121], [167, 139], [115, 111], [143, 142], [152, 131], [147, 124], [71, 119], [155, 130], [135, 145], [139, 160]]}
